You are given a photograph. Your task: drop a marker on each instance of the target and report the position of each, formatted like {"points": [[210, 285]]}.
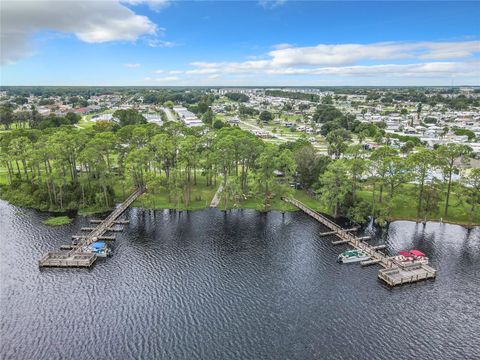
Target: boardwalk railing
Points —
{"points": [[342, 233], [77, 256], [393, 274], [106, 224]]}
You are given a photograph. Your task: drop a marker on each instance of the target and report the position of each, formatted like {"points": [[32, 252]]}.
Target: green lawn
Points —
{"points": [[256, 203], [57, 221], [311, 202], [86, 121], [200, 198], [3, 176], [14, 127], [404, 205]]}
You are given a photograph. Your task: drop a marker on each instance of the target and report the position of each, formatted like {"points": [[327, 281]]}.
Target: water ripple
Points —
{"points": [[235, 285]]}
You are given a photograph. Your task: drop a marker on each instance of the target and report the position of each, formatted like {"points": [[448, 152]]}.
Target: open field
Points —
{"points": [[86, 122], [404, 206], [200, 197]]}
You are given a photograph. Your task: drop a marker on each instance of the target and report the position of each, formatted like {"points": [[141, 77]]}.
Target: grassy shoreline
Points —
{"points": [[201, 195], [250, 204], [57, 221]]}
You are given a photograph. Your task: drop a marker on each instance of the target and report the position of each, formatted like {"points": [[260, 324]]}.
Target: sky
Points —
{"points": [[239, 43]]}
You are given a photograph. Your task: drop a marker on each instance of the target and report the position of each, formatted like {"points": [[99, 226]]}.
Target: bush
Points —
{"points": [[359, 212]]}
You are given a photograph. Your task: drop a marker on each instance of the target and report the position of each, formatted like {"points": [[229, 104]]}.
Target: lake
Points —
{"points": [[236, 285]]}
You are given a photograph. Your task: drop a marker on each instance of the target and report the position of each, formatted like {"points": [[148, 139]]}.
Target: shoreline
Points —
{"points": [[416, 220], [92, 212]]}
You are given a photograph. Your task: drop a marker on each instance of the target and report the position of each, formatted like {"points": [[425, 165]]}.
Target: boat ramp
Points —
{"points": [[393, 273], [75, 255]]}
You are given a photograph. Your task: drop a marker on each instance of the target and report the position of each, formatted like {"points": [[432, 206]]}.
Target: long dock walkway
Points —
{"points": [[77, 256], [394, 273]]}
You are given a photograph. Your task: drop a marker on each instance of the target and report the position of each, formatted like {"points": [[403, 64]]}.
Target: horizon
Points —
{"points": [[2, 87], [163, 43]]}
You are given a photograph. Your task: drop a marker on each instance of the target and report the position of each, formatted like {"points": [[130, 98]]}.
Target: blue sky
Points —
{"points": [[284, 43]]}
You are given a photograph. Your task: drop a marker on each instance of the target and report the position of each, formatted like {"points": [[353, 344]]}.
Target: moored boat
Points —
{"points": [[100, 249], [351, 256], [411, 257]]}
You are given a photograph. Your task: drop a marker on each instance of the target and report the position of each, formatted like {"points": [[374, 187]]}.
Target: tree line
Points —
{"points": [[32, 118], [293, 95], [62, 168], [67, 168], [388, 177]]}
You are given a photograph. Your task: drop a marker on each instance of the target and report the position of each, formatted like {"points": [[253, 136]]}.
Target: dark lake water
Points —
{"points": [[241, 285]]}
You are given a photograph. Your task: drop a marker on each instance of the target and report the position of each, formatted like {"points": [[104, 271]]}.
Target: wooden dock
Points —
{"points": [[393, 273], [64, 259], [120, 222], [75, 255], [406, 274]]}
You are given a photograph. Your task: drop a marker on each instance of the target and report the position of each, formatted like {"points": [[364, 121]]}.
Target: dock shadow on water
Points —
{"points": [[235, 285]]}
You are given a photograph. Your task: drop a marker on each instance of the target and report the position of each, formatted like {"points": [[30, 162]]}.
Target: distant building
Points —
{"points": [[81, 111], [107, 117], [153, 118], [187, 117], [234, 121]]}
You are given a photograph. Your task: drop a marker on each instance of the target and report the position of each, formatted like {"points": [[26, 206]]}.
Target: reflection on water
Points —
{"points": [[240, 285]]}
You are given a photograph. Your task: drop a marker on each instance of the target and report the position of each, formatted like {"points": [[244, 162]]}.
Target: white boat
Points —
{"points": [[351, 256]]}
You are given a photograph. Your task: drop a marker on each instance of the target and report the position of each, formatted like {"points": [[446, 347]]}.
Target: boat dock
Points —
{"points": [[74, 255], [393, 274]]}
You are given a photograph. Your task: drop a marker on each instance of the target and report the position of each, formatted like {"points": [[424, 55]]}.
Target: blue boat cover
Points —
{"points": [[98, 245]]}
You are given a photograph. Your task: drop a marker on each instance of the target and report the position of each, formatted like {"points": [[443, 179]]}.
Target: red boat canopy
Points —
{"points": [[405, 253], [417, 253]]}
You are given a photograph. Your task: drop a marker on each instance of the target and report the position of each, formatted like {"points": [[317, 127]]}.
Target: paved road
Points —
{"points": [[264, 130], [169, 114]]}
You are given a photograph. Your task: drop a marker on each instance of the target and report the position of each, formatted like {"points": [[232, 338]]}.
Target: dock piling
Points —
{"points": [[393, 273], [75, 255]]}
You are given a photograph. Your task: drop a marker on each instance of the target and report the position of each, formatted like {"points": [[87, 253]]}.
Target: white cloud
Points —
{"points": [[164, 79], [389, 59], [171, 72], [90, 21], [431, 69], [132, 66], [160, 43], [270, 4], [282, 46], [155, 5], [348, 54]]}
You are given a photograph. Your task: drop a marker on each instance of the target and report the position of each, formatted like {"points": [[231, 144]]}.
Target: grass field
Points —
{"points": [[57, 221], [200, 197], [86, 121], [404, 206], [3, 176], [14, 127], [256, 203]]}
